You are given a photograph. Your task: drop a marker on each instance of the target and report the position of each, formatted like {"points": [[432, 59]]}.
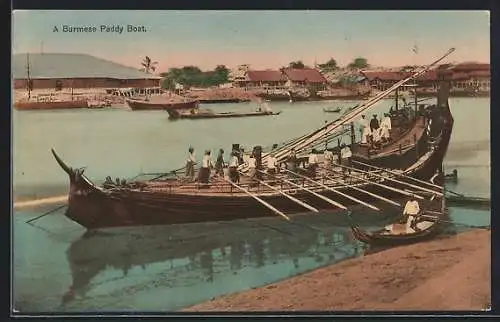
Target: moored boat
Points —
{"points": [[209, 114], [416, 152], [160, 102], [51, 105], [332, 110]]}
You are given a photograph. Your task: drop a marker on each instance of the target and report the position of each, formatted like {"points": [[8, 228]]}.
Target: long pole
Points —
{"points": [[303, 204], [406, 193], [28, 80], [358, 111], [399, 174], [335, 190], [364, 191], [257, 198], [330, 201], [46, 213], [397, 181]]}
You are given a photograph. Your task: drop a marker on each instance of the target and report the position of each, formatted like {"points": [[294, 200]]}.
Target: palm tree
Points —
{"points": [[148, 65]]}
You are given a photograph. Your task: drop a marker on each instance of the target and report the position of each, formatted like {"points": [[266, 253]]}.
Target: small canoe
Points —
{"points": [[174, 114], [386, 238], [332, 110]]}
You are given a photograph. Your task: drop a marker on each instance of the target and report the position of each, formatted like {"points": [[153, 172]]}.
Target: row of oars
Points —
{"points": [[345, 173]]}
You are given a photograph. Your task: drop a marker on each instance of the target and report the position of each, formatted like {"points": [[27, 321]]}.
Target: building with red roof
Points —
{"points": [[305, 77], [464, 77]]}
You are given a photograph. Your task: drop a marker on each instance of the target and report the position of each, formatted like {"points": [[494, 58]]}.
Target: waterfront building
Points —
{"points": [[55, 72]]}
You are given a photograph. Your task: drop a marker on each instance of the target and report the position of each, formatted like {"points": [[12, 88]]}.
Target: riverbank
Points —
{"points": [[453, 273]]}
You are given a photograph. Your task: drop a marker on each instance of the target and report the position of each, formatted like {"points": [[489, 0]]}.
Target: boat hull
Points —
{"points": [[174, 114], [51, 105], [137, 105]]}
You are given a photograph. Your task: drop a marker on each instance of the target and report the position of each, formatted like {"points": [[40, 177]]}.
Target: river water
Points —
{"points": [[57, 267]]}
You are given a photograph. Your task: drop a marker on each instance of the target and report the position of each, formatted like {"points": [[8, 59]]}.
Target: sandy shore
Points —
{"points": [[445, 274], [18, 204]]}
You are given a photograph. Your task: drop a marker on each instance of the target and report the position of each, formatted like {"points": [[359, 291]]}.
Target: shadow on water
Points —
{"points": [[187, 264]]}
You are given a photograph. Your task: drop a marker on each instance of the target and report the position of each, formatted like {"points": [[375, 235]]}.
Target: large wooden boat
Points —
{"points": [[209, 114], [414, 154], [160, 102]]}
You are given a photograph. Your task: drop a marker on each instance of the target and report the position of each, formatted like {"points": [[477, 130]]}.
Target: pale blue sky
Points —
{"points": [[263, 39]]}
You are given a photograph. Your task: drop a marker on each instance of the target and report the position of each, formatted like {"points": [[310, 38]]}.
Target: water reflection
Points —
{"points": [[196, 260]]}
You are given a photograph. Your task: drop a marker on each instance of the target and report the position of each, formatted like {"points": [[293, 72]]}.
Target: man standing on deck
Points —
{"points": [[364, 129], [312, 163], [328, 162], [374, 125], [386, 127], [190, 163], [206, 166], [219, 164], [233, 167], [252, 168], [345, 156], [271, 165]]}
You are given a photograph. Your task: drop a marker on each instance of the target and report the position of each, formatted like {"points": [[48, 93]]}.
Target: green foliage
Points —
{"points": [[329, 65], [148, 65], [194, 76], [359, 62], [296, 64]]}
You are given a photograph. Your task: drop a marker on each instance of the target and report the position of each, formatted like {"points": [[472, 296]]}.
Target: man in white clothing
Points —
{"points": [[412, 209], [190, 163], [345, 157], [252, 165], [312, 163], [364, 128], [233, 167], [328, 156], [386, 127], [271, 165]]}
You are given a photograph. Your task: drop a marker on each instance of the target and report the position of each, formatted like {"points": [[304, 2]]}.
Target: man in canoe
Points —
{"points": [[411, 211], [219, 163], [190, 164]]}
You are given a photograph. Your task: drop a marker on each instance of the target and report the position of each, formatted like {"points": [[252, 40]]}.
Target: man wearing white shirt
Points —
{"points": [[364, 129], [206, 166], [271, 164], [412, 209], [252, 165], [190, 163], [233, 167], [345, 156], [386, 127], [312, 163]]}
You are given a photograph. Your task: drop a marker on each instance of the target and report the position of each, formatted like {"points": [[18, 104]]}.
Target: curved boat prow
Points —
{"points": [[61, 163]]}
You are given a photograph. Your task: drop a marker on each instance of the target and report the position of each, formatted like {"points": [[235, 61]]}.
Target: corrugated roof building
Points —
{"points": [[57, 71]]}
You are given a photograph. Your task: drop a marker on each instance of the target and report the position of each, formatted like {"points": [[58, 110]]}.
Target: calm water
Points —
{"points": [[168, 268]]}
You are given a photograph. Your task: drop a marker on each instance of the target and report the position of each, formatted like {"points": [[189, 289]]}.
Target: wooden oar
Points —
{"points": [[46, 213], [257, 198], [406, 193], [399, 174], [303, 204], [364, 191], [334, 190], [167, 173], [330, 201], [394, 180]]}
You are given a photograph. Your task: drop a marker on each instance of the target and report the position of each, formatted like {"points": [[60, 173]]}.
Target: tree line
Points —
{"points": [[193, 76]]}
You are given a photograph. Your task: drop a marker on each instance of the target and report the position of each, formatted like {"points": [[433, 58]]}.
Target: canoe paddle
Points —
{"points": [[46, 213]]}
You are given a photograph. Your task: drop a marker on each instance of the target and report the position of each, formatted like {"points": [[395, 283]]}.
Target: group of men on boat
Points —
{"points": [[375, 133]]}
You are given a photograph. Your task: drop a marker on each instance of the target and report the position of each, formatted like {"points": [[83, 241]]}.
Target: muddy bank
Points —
{"points": [[446, 274]]}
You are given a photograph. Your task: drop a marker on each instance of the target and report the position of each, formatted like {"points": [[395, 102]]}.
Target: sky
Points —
{"points": [[263, 39]]}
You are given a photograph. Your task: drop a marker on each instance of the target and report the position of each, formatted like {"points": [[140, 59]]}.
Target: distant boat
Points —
{"points": [[50, 105], [332, 110], [208, 114], [160, 103]]}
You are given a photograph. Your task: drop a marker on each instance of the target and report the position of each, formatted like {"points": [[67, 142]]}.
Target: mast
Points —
{"points": [[28, 79]]}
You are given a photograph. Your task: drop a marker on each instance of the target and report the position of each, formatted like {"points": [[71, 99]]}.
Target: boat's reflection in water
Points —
{"points": [[170, 267]]}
